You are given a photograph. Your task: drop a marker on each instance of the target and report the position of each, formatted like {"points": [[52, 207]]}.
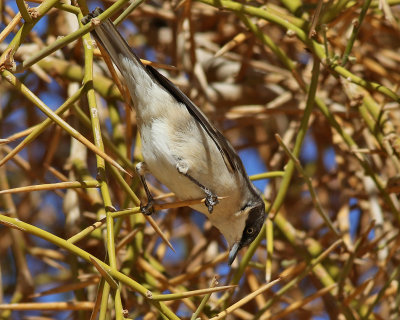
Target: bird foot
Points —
{"points": [[211, 200], [147, 209]]}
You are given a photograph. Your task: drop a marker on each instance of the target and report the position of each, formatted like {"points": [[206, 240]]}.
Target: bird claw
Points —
{"points": [[211, 200], [147, 209]]}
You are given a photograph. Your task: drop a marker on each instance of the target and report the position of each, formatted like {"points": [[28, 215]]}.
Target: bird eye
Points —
{"points": [[250, 230]]}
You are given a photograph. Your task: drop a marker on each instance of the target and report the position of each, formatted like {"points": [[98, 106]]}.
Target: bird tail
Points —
{"points": [[112, 41]]}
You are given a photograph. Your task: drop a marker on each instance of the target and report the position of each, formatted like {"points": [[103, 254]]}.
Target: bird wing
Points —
{"points": [[229, 155]]}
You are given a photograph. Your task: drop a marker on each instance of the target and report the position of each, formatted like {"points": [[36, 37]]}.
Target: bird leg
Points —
{"points": [[141, 169], [211, 198]]}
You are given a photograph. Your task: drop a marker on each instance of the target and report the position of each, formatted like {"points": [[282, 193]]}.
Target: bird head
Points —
{"points": [[254, 213]]}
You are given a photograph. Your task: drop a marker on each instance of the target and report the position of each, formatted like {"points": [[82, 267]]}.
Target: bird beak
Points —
{"points": [[233, 252]]}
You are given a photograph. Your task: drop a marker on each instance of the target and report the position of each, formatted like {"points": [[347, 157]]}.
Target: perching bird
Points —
{"points": [[182, 149]]}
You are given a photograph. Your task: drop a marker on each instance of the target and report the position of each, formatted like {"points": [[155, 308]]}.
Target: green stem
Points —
{"points": [[267, 175], [288, 173], [104, 301], [204, 300], [108, 143], [313, 45], [393, 276], [43, 126], [24, 11], [127, 11], [101, 167], [61, 243], [307, 179], [299, 139], [312, 264], [292, 5], [56, 118], [27, 27], [62, 42], [354, 33]]}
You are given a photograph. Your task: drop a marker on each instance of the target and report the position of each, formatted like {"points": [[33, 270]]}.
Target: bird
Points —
{"points": [[182, 149]]}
